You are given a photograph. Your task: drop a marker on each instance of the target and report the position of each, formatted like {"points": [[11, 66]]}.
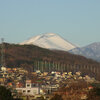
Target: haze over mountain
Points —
{"points": [[89, 51], [55, 42], [50, 41]]}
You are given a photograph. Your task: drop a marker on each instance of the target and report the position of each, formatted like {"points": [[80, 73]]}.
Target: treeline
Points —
{"points": [[33, 57]]}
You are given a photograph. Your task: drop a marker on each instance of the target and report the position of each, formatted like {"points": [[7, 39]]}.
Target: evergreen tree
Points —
{"points": [[5, 94]]}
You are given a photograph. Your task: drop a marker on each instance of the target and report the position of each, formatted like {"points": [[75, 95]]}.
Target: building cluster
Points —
{"points": [[36, 84]]}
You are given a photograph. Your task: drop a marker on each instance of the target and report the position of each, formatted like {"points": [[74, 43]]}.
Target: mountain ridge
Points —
{"points": [[90, 51], [50, 41], [53, 41]]}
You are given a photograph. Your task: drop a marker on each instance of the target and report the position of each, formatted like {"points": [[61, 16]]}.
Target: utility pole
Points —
{"points": [[3, 66], [2, 52]]}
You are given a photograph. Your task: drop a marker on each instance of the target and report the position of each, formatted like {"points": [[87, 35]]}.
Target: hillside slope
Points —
{"points": [[30, 56], [29, 53], [90, 51]]}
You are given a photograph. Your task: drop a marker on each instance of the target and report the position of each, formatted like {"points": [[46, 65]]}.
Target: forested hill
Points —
{"points": [[28, 55], [15, 55]]}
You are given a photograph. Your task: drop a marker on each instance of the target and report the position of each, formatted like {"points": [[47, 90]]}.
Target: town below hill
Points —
{"points": [[34, 58], [33, 73]]}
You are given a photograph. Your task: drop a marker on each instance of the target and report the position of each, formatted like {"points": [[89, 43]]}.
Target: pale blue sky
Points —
{"points": [[78, 21]]}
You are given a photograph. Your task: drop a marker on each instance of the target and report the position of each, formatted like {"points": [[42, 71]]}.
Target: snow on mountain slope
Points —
{"points": [[50, 41], [90, 51]]}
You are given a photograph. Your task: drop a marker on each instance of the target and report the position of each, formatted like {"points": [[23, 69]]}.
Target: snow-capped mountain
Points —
{"points": [[50, 41], [90, 51]]}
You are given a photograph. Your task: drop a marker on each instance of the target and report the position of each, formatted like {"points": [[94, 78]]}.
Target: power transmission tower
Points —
{"points": [[2, 53]]}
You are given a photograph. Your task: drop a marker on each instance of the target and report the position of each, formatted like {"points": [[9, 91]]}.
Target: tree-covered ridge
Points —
{"points": [[30, 53], [31, 56]]}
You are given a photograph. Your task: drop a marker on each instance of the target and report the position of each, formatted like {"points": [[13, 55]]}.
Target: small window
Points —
{"points": [[24, 91], [28, 85], [28, 91]]}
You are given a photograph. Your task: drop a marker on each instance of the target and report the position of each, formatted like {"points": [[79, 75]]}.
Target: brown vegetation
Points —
{"points": [[27, 55]]}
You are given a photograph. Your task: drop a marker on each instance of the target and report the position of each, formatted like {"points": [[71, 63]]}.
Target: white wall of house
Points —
{"points": [[30, 89]]}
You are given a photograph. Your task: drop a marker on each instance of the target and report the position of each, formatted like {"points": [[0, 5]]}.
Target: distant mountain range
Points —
{"points": [[50, 41], [90, 51], [55, 42]]}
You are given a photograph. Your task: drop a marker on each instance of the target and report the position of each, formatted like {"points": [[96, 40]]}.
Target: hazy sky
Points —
{"points": [[78, 21]]}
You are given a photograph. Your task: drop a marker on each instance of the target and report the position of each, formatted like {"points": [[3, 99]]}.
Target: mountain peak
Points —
{"points": [[51, 34], [50, 41], [48, 35]]}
